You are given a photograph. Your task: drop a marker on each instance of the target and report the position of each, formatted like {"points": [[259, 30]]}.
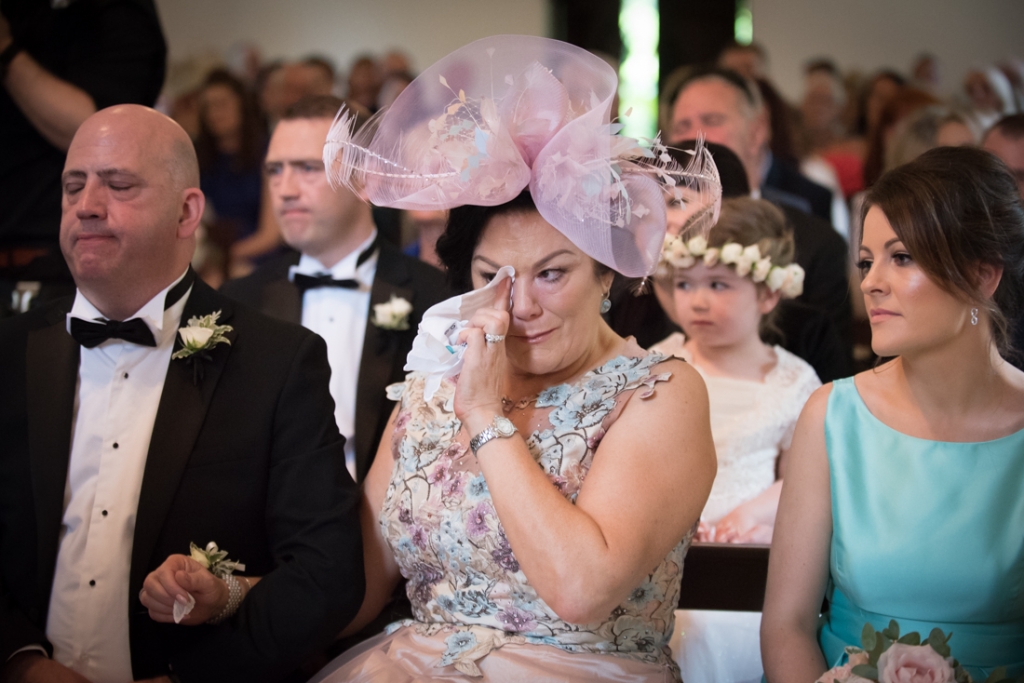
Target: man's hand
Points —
{"points": [[173, 581], [35, 667]]}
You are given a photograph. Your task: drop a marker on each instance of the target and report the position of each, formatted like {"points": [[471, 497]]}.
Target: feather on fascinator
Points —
{"points": [[507, 112]]}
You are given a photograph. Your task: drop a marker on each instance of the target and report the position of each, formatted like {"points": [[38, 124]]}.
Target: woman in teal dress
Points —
{"points": [[904, 495]]}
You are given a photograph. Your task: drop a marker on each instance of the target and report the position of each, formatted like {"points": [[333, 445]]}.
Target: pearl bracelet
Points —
{"points": [[235, 596]]}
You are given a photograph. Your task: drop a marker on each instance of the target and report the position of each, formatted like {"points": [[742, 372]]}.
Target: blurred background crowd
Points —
{"points": [[845, 131], [840, 124]]}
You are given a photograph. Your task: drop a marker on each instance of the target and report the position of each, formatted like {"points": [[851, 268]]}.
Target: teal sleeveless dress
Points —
{"points": [[928, 533]]}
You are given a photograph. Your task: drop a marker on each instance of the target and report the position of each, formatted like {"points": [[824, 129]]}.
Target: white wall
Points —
{"points": [[426, 29], [864, 34], [868, 34]]}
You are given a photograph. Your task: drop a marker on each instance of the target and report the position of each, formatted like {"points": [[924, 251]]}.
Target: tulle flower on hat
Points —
{"points": [[509, 112]]}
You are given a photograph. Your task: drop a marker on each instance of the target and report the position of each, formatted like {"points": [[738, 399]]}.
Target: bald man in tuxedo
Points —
{"points": [[121, 449]]}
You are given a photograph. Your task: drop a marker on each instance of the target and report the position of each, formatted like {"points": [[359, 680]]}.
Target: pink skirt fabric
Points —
{"points": [[408, 657]]}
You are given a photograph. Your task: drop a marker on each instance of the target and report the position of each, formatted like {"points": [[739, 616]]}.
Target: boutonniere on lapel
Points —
{"points": [[392, 315], [197, 339]]}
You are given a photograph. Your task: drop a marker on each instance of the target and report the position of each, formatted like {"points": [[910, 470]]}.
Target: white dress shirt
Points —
{"points": [[119, 389], [339, 316]]}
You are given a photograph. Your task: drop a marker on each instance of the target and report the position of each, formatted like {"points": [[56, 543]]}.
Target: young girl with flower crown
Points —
{"points": [[726, 289]]}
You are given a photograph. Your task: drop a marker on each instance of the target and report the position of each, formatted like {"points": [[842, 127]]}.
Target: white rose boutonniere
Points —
{"points": [[198, 338], [392, 315]]}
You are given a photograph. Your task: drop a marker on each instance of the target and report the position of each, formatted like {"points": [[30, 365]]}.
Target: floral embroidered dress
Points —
{"points": [[468, 593]]}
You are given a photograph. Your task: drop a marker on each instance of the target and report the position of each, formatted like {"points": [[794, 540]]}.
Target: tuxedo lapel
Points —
{"points": [[380, 348], [180, 416], [52, 376]]}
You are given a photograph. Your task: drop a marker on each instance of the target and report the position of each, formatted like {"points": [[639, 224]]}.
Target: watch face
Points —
{"points": [[504, 426]]}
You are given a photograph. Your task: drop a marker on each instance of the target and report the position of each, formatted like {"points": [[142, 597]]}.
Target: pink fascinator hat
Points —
{"points": [[509, 112]]}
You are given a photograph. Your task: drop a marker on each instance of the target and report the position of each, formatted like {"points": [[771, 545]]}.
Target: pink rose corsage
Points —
{"points": [[888, 657]]}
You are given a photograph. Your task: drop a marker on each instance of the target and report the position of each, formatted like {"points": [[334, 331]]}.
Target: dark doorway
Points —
{"points": [[691, 31]]}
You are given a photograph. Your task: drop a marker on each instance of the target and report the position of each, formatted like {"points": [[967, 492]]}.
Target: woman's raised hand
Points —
{"points": [[482, 383]]}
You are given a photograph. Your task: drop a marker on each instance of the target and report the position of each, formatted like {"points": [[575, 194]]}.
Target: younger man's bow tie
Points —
{"points": [[91, 335], [304, 282]]}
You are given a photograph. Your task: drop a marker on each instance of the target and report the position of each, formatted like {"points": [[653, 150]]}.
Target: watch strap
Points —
{"points": [[485, 435], [491, 432]]}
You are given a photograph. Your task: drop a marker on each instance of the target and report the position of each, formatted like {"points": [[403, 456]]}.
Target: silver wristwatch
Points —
{"points": [[501, 427]]}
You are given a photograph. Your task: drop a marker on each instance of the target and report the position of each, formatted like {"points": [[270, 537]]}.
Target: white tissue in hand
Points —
{"points": [[182, 609], [435, 351]]}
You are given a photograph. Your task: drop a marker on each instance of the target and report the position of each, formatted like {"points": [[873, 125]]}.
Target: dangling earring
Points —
{"points": [[974, 316], [606, 304]]}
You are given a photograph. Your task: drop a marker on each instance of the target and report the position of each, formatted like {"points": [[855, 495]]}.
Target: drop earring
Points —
{"points": [[606, 304], [974, 316]]}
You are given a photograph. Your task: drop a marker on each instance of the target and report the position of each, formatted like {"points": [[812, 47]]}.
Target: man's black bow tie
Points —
{"points": [[304, 282], [91, 335]]}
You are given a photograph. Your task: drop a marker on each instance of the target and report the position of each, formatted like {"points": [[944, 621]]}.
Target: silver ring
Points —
{"points": [[494, 338]]}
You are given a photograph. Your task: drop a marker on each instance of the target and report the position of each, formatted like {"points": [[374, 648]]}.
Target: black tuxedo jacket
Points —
{"points": [[785, 179], [250, 458], [384, 351], [824, 256]]}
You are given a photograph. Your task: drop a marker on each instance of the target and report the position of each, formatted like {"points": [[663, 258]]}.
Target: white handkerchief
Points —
{"points": [[181, 610], [435, 351]]}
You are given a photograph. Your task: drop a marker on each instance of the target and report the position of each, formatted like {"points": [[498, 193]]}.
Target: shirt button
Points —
{"points": [[126, 375], [115, 444], [104, 513], [92, 582]]}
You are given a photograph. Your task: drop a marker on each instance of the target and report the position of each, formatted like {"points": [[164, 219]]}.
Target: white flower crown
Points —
{"points": [[745, 260]]}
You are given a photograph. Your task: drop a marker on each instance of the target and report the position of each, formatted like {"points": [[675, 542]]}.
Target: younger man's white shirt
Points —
{"points": [[339, 316], [119, 390]]}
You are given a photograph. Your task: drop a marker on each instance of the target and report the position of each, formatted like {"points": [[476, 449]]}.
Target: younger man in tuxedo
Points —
{"points": [[117, 454], [337, 274]]}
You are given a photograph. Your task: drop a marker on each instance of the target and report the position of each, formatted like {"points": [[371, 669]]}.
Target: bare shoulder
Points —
{"points": [[674, 391], [809, 435], [684, 380], [817, 405]]}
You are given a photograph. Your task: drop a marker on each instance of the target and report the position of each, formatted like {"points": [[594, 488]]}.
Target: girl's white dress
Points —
{"points": [[752, 423]]}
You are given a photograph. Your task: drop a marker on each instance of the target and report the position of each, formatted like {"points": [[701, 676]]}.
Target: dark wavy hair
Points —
{"points": [[253, 130], [456, 245], [955, 208]]}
